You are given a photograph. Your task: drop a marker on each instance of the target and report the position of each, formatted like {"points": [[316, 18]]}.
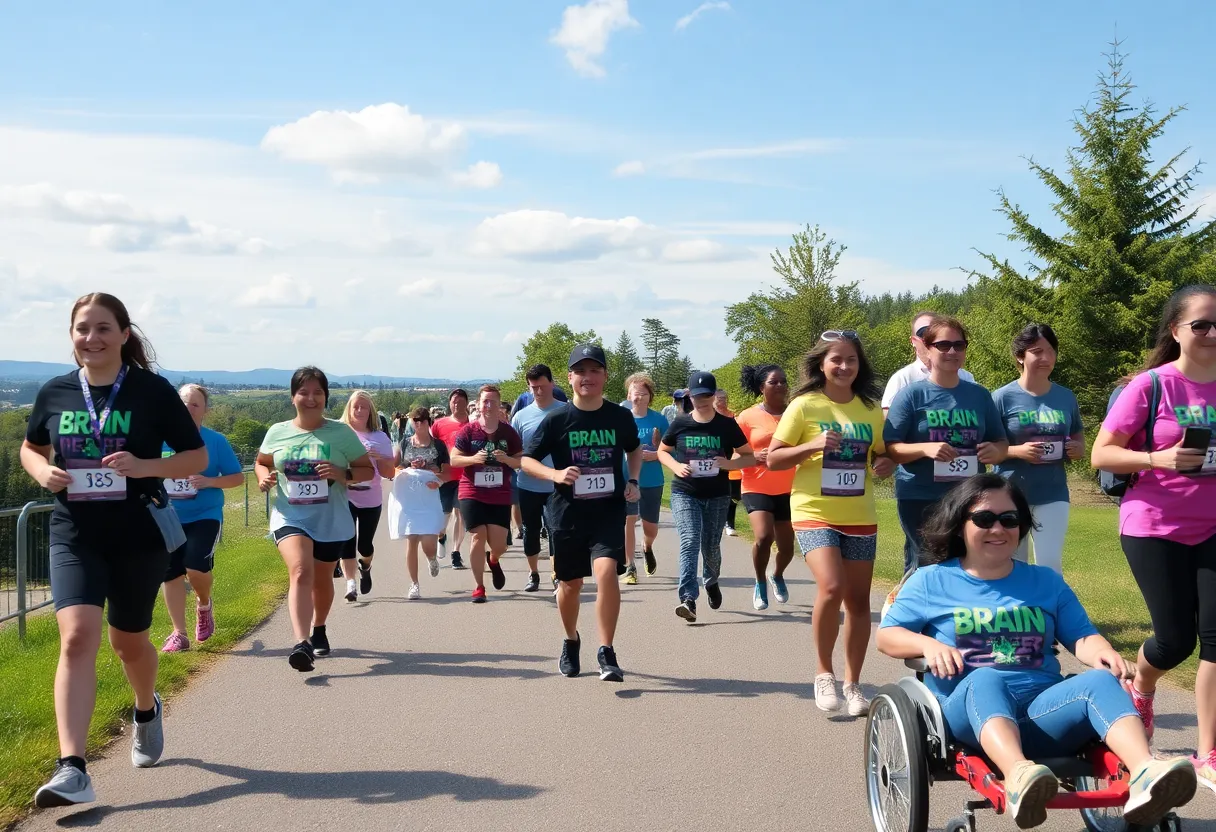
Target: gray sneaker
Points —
{"points": [[68, 786], [149, 739]]}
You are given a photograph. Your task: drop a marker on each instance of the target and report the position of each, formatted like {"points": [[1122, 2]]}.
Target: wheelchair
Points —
{"points": [[908, 748]]}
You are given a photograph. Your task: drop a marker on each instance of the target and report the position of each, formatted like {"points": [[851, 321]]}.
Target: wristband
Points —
{"points": [[633, 482]]}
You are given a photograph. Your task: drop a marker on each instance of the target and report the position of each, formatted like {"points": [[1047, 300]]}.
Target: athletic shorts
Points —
{"points": [[447, 496], [125, 582], [198, 552], [475, 513], [851, 546], [777, 505], [324, 551], [648, 504], [574, 550]]}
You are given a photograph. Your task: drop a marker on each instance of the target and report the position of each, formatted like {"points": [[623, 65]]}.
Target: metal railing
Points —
{"points": [[30, 539]]}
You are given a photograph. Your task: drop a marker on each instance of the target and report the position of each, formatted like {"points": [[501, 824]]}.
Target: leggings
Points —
{"points": [[533, 508], [1178, 582], [1048, 538], [366, 520], [736, 494]]}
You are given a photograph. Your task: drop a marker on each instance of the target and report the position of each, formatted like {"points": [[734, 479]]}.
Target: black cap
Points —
{"points": [[588, 351], [701, 383]]}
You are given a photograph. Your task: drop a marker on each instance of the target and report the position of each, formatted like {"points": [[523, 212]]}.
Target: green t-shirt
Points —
{"points": [[302, 499]]}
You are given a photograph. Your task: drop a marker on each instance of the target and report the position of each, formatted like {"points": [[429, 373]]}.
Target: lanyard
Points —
{"points": [[95, 424]]}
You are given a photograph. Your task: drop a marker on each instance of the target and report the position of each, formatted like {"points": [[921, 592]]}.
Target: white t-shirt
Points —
{"points": [[916, 371]]}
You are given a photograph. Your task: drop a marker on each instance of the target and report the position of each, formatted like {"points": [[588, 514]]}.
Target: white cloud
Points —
{"points": [[282, 292], [695, 251], [797, 147], [378, 141], [480, 175], [514, 337], [553, 235], [585, 32], [631, 168], [684, 21], [427, 287]]}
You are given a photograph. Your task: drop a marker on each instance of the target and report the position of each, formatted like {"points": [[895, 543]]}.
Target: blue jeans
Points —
{"points": [[1055, 722], [700, 522], [912, 515]]}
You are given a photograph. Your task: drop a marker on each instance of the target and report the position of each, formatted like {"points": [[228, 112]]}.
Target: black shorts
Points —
{"points": [[325, 551], [648, 505], [447, 496], [776, 505], [126, 580], [198, 552], [575, 550], [474, 513]]}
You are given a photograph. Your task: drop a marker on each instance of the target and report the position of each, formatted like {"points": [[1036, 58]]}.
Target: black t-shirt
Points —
{"points": [[596, 442], [695, 444], [147, 415]]}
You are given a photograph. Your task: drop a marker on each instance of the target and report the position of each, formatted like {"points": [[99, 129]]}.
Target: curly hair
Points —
{"points": [[942, 532]]}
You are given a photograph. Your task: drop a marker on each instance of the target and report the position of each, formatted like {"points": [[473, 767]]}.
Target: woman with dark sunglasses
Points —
{"points": [[985, 623], [1167, 519], [940, 431]]}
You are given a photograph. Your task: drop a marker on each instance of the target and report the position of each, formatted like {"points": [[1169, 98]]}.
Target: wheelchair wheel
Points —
{"points": [[896, 762]]}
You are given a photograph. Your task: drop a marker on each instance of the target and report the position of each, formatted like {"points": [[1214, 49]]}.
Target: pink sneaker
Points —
{"points": [[204, 628], [1144, 706], [1205, 770], [175, 643]]}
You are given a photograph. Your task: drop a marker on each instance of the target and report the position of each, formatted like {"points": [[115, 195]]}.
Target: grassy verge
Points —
{"points": [[249, 582]]}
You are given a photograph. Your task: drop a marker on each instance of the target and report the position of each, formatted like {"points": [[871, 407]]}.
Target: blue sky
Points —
{"points": [[217, 166]]}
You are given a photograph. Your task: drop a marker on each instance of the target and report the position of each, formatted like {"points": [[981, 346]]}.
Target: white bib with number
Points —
{"points": [[488, 478], [704, 467], [180, 489], [1209, 461], [843, 482], [304, 492], [96, 484], [959, 468], [595, 484], [1053, 450]]}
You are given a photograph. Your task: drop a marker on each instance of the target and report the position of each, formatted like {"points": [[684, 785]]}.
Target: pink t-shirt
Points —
{"points": [[368, 494], [1165, 503]]}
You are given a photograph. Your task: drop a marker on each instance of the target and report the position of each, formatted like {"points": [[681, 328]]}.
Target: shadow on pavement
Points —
{"points": [[360, 787], [737, 688], [463, 665]]}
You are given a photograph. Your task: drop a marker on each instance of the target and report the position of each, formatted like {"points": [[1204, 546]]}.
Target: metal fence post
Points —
{"points": [[23, 521]]}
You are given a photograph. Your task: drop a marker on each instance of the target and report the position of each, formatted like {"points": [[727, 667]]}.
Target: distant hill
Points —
{"points": [[41, 371]]}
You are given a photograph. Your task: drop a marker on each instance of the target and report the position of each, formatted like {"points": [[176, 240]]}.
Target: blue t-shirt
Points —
{"points": [[964, 416], [652, 472], [526, 399], [1049, 419], [525, 422], [208, 504], [1008, 624]]}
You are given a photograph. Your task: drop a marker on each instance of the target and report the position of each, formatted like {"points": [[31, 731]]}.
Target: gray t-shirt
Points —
{"points": [[1049, 419]]}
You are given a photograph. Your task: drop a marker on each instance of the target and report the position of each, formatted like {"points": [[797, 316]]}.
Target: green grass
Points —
{"points": [[249, 582]]}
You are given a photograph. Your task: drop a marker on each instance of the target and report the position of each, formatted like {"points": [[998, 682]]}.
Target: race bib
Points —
{"points": [[595, 484], [96, 484], [307, 492], [959, 468], [1209, 461], [488, 478], [1053, 449], [842, 482], [704, 467], [180, 489]]}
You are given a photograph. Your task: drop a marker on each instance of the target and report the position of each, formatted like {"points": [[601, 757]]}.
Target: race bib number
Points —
{"points": [[1209, 462], [307, 492], [595, 484], [488, 478], [959, 468], [1053, 449], [842, 482], [180, 489], [96, 484], [704, 467]]}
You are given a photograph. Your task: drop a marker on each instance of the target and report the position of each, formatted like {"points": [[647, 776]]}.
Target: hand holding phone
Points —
{"points": [[1198, 439]]}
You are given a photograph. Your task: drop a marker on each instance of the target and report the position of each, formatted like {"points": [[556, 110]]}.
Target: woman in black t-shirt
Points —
{"points": [[94, 439]]}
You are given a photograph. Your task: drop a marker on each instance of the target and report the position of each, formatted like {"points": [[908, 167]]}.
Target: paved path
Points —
{"points": [[440, 715]]}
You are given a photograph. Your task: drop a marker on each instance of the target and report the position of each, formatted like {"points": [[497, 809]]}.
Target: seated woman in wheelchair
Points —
{"points": [[985, 624]]}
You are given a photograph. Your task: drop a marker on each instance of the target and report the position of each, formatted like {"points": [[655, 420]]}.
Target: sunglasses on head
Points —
{"points": [[920, 333], [1201, 327], [838, 334], [946, 346], [987, 519]]}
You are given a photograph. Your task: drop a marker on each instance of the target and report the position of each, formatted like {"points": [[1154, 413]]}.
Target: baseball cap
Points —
{"points": [[702, 383], [584, 351], [679, 394]]}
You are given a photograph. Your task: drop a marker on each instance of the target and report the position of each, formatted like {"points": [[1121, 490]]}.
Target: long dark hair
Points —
{"points": [[943, 530], [1166, 349], [865, 385], [308, 374], [136, 350], [753, 376]]}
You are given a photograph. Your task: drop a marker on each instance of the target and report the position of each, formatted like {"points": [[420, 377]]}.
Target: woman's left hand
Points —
{"points": [[883, 467], [329, 471], [199, 482], [125, 463], [1112, 661]]}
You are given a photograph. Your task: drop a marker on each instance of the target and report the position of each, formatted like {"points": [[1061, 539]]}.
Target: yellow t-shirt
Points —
{"points": [[841, 494]]}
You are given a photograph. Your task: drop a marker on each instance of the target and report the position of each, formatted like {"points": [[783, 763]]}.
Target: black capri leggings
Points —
{"points": [[533, 508], [366, 520], [1179, 586]]}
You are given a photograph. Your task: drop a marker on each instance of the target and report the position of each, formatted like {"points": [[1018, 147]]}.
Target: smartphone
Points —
{"points": [[1196, 438]]}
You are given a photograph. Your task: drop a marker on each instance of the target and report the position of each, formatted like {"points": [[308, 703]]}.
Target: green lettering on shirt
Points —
{"points": [[72, 423], [963, 624], [952, 418], [598, 438], [1017, 619], [1195, 414], [849, 430], [712, 443], [1043, 416]]}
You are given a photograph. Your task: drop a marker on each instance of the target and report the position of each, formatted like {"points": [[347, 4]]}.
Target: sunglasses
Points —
{"points": [[946, 346], [988, 519], [920, 333], [1201, 327], [838, 334], [419, 421]]}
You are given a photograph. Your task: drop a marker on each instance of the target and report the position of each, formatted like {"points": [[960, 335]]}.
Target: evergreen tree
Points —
{"points": [[661, 347]]}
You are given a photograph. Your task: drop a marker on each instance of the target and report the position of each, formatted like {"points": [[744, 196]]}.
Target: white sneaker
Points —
{"points": [[434, 563], [415, 592], [855, 701], [731, 532], [825, 693]]}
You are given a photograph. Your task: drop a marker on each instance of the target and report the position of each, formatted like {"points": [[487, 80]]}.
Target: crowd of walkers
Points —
{"points": [[981, 493]]}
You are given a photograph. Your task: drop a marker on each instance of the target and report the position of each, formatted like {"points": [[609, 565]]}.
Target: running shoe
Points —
{"points": [[620, 568], [414, 594], [554, 576], [204, 625], [338, 569], [1158, 787], [496, 574], [479, 595], [825, 693], [855, 701], [731, 532], [687, 610], [175, 643], [319, 641], [714, 593], [352, 594], [631, 574], [68, 786], [434, 565], [443, 547], [1205, 770], [148, 738], [610, 671], [568, 662], [652, 565], [533, 583], [781, 593], [301, 657], [1028, 788], [1144, 706], [760, 596], [457, 563], [365, 579]]}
